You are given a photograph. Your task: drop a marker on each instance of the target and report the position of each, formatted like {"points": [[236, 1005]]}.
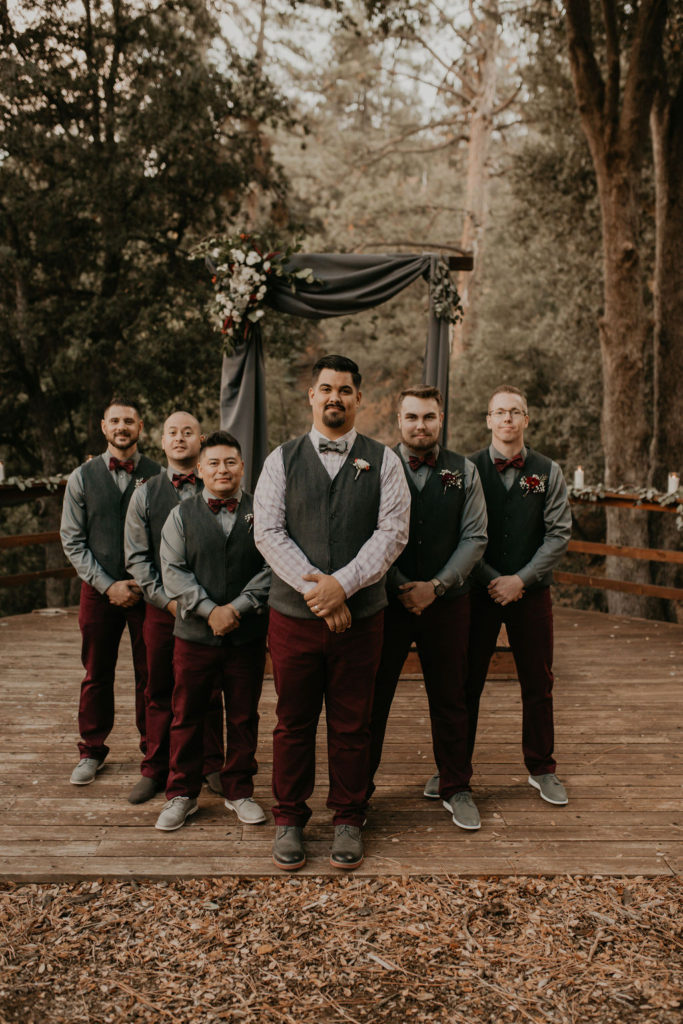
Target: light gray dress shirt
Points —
{"points": [[182, 585], [557, 517], [374, 558], [473, 538], [138, 542], [73, 528]]}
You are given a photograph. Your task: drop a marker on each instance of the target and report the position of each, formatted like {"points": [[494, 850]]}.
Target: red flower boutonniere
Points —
{"points": [[533, 484], [450, 478], [360, 465]]}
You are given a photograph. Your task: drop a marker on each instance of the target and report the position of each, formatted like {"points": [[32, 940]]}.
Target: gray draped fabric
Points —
{"points": [[344, 284]]}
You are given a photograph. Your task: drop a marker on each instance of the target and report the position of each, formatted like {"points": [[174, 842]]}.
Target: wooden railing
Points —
{"points": [[11, 494], [623, 551]]}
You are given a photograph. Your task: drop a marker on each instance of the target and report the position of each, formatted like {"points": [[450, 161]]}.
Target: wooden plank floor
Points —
{"points": [[619, 746]]}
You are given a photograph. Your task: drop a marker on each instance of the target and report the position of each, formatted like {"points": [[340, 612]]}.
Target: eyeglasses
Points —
{"points": [[500, 414]]}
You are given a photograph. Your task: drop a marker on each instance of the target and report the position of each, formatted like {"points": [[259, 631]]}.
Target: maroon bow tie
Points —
{"points": [[125, 464], [216, 504], [179, 479], [503, 464], [415, 461]]}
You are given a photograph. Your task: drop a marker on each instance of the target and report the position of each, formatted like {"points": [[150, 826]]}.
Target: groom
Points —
{"points": [[331, 515]]}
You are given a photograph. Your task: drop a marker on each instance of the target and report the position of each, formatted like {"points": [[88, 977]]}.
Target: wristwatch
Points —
{"points": [[439, 588]]}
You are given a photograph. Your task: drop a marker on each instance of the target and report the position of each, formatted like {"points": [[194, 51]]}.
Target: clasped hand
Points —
{"points": [[506, 589], [327, 600], [416, 596], [124, 593], [223, 619]]}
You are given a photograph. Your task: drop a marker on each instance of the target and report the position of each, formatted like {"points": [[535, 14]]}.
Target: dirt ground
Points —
{"points": [[327, 951]]}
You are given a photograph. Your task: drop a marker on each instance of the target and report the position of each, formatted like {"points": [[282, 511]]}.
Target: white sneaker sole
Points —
{"points": [[245, 821], [172, 828], [87, 782], [555, 803], [430, 796], [460, 824]]}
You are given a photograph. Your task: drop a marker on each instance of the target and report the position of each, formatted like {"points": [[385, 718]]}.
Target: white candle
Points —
{"points": [[673, 483], [2, 472], [578, 478]]}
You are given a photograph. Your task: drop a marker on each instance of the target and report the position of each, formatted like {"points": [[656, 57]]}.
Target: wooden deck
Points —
{"points": [[619, 745]]}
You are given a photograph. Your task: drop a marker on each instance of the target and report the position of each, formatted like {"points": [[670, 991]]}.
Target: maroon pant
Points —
{"points": [[441, 634], [102, 624], [529, 624], [310, 664], [159, 642], [200, 670]]}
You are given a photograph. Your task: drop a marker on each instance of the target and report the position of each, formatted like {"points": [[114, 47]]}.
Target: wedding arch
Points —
{"points": [[342, 284]]}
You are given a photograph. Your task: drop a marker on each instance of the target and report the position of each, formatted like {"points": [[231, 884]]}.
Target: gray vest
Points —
{"points": [[162, 499], [106, 508], [330, 520], [516, 527], [435, 515], [223, 565]]}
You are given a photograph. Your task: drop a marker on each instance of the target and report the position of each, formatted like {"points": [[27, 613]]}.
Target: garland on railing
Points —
{"points": [[599, 492], [24, 483]]}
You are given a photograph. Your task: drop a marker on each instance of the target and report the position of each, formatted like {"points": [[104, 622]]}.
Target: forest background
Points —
{"points": [[545, 138]]}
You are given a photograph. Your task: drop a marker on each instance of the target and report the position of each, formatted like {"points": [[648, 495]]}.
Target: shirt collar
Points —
{"points": [[495, 454], [349, 437], [406, 452], [206, 494], [107, 455]]}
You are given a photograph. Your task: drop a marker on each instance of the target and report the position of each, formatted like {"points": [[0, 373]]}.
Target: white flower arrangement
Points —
{"points": [[240, 271]]}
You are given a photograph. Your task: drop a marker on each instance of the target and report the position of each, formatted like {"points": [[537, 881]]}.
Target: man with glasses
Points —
{"points": [[529, 526]]}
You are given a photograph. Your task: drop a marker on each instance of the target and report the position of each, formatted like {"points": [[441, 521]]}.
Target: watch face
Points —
{"points": [[439, 589]]}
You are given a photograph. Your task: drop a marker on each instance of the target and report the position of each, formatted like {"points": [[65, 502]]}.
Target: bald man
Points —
{"points": [[150, 506]]}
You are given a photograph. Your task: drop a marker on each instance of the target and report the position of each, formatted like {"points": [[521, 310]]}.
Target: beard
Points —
{"points": [[421, 444], [334, 417]]}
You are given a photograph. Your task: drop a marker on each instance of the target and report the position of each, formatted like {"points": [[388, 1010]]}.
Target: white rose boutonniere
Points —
{"points": [[360, 465]]}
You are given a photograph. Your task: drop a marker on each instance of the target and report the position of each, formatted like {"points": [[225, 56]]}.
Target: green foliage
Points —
{"points": [[126, 136]]}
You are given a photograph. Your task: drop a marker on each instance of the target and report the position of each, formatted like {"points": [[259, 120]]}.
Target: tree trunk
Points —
{"points": [[666, 453], [477, 180]]}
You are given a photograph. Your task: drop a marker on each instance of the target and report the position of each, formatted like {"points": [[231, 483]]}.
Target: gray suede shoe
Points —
{"points": [[143, 790], [347, 848], [177, 809], [288, 847], [85, 771], [213, 781], [550, 788], [431, 790], [464, 811]]}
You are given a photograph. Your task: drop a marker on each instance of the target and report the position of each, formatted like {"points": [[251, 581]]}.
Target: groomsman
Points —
{"points": [[149, 508], [95, 504], [428, 590], [212, 568], [332, 512], [529, 526]]}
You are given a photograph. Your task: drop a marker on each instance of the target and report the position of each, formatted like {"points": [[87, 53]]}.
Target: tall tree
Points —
{"points": [[615, 84]]}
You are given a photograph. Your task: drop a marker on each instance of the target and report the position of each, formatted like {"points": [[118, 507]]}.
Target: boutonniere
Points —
{"points": [[533, 484], [249, 520], [450, 478], [359, 465], [139, 482]]}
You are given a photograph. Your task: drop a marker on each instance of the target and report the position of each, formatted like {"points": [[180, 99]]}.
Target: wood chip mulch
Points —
{"points": [[327, 951]]}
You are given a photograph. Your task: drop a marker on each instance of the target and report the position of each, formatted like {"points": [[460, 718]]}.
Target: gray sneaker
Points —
{"points": [[85, 771], [175, 812], [247, 810], [464, 811], [431, 790], [550, 788]]}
